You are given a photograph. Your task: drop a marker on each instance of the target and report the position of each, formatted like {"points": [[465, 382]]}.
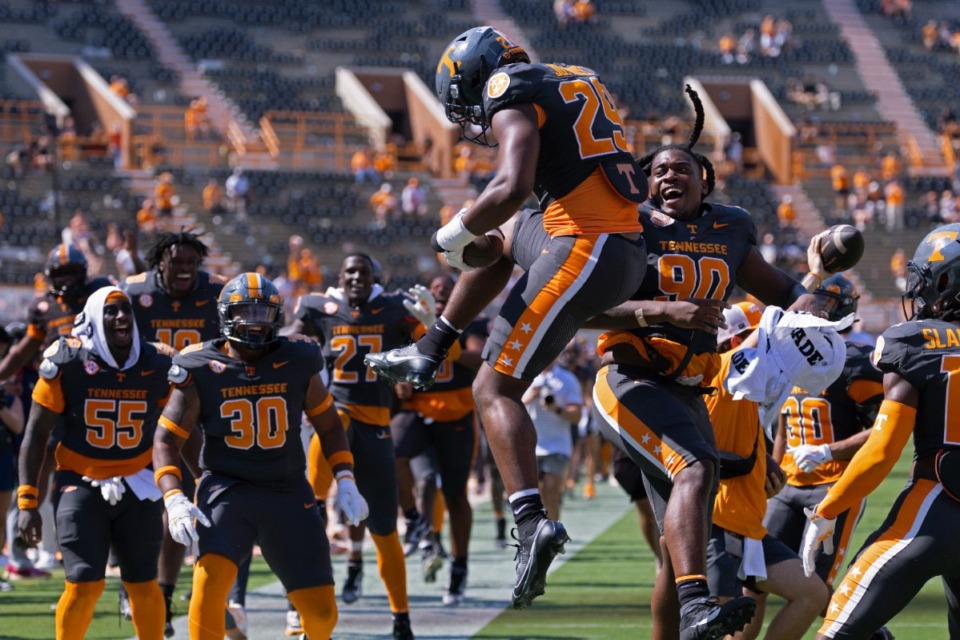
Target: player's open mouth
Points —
{"points": [[671, 194], [122, 332]]}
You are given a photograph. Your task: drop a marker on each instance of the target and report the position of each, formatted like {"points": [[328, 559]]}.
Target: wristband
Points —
{"points": [[27, 490], [344, 474], [807, 281], [454, 235], [641, 321], [167, 470], [171, 493], [27, 503], [340, 457]]}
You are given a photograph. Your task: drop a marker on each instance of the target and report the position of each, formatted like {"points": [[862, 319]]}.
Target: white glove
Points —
{"points": [[809, 456], [349, 500], [111, 488], [451, 238], [180, 515], [819, 530], [422, 306]]}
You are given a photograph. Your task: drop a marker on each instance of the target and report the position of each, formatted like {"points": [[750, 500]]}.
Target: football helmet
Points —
{"points": [[464, 68], [66, 271], [844, 292], [933, 275], [251, 311]]}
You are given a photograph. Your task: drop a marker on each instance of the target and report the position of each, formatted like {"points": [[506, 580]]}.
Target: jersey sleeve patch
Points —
{"points": [[497, 85]]}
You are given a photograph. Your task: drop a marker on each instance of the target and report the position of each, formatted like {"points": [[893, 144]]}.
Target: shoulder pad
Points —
{"points": [[63, 350], [191, 348]]}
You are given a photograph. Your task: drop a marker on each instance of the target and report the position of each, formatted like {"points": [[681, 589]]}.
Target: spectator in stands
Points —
{"points": [[768, 248], [115, 145], [890, 167], [728, 48], [213, 198], [563, 11], [787, 213], [861, 182], [156, 151], [899, 10], [238, 194], [898, 268], [164, 193], [948, 206], [384, 205], [19, 160], [413, 202], [67, 139], [746, 46], [361, 164], [303, 267], [734, 151], [147, 218], [196, 122], [840, 181], [119, 86], [769, 44], [894, 205], [584, 11], [930, 205], [931, 35], [385, 162], [41, 153]]}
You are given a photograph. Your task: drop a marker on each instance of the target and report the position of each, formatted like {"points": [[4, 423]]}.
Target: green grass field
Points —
{"points": [[601, 593], [604, 592]]}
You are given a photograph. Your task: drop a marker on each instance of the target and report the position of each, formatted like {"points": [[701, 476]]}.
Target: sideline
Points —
{"points": [[488, 587]]}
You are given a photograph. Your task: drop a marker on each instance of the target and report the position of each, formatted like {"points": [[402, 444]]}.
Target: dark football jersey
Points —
{"points": [[109, 416], [178, 322], [580, 132], [843, 409], [349, 334], [927, 354], [250, 412], [694, 259], [50, 317]]}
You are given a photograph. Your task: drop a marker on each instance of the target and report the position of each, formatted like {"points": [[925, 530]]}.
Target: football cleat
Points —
{"points": [[534, 555], [416, 530], [294, 626], [431, 561], [456, 587], [406, 364], [706, 619], [353, 586], [401, 626], [237, 624]]}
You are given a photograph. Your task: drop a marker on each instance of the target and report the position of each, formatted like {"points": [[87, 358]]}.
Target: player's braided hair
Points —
{"points": [[168, 239], [702, 161]]}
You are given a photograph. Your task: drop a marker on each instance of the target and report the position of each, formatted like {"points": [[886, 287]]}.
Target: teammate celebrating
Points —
{"points": [[175, 302], [650, 388], [246, 392], [818, 433], [109, 387], [350, 321], [920, 360], [560, 136]]}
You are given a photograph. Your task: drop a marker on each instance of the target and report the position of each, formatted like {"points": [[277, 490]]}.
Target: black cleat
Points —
{"points": [[401, 626], [406, 364], [353, 587], [534, 555], [456, 587], [168, 630], [415, 532], [706, 619]]}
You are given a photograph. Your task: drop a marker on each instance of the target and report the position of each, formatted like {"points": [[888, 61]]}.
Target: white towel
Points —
{"points": [[143, 485], [793, 349], [753, 563], [88, 327]]}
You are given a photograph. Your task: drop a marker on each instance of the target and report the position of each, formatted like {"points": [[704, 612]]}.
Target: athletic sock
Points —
{"points": [[528, 511], [692, 587], [438, 339]]}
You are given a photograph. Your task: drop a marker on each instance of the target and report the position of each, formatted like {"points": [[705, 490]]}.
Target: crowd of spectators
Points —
{"points": [[571, 11], [769, 40]]}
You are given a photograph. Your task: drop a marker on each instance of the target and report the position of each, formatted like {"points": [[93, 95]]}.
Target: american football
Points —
{"points": [[841, 248], [484, 250]]}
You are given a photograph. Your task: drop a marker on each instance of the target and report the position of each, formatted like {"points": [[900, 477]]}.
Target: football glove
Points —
{"points": [[451, 238], [180, 515], [112, 489], [819, 531], [422, 306], [808, 456], [349, 500]]}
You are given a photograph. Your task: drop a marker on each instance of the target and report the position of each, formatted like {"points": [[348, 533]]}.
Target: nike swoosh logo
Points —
{"points": [[200, 303], [308, 505], [376, 311], [383, 435], [277, 365], [144, 374], [717, 225]]}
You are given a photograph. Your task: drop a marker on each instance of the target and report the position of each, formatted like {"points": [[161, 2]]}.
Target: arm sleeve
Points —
{"points": [[871, 464]]}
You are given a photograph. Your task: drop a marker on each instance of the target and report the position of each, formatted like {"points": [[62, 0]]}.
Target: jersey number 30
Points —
{"points": [[262, 423]]}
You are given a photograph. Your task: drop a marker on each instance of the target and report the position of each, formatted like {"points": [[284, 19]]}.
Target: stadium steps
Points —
{"points": [[881, 78], [225, 116]]}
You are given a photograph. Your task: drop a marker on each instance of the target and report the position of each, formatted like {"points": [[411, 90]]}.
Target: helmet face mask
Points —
{"points": [[843, 295], [464, 68], [251, 311], [66, 272], [933, 275]]}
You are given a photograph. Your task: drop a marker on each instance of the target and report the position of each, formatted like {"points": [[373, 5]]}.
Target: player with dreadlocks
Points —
{"points": [[175, 302], [656, 365]]}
